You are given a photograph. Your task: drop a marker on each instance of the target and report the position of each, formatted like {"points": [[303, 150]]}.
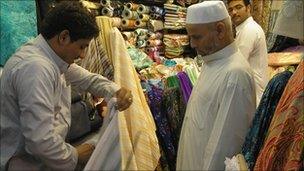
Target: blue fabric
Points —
{"points": [[163, 132], [262, 118], [18, 25]]}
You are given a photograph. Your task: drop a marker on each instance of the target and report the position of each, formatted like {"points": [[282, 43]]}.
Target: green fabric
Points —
{"points": [[173, 81], [139, 59], [192, 75]]}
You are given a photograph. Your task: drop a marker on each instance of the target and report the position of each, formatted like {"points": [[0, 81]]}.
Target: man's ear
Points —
{"points": [[221, 30], [248, 8], [64, 37]]}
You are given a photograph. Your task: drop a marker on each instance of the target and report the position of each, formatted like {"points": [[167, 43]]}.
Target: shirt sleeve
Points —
{"points": [[237, 106], [35, 86], [83, 80]]}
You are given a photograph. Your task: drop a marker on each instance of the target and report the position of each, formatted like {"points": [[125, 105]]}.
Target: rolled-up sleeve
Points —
{"points": [[83, 80], [35, 86]]}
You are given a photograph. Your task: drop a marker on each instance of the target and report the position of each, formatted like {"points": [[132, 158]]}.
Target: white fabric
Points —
{"points": [[219, 112], [107, 154], [206, 12], [290, 21], [35, 103], [250, 39]]}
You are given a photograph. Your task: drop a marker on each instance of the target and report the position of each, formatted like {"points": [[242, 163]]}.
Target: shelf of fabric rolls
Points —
{"points": [[157, 28]]}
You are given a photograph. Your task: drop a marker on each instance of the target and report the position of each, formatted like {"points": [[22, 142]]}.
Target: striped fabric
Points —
{"points": [[97, 61], [139, 144]]}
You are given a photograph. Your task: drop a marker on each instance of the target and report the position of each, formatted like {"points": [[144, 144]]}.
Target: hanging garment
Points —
{"points": [[262, 117], [174, 108], [155, 96], [283, 145], [185, 85], [18, 25], [107, 154], [173, 81], [138, 141]]}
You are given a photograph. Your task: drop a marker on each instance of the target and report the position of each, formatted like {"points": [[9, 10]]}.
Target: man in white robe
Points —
{"points": [[222, 103], [250, 38]]}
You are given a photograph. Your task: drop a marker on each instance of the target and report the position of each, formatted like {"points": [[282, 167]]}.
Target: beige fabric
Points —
{"points": [[105, 25], [139, 144]]}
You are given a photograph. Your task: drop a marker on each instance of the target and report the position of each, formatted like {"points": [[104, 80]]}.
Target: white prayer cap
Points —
{"points": [[291, 20], [206, 12]]}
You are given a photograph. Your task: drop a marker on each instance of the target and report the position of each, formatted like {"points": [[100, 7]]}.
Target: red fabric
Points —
{"points": [[284, 144]]}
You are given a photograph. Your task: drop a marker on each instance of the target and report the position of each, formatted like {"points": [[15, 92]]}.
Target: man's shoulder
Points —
{"points": [[253, 27]]}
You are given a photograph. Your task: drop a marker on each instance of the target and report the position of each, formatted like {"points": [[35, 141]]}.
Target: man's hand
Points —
{"points": [[84, 153], [124, 99]]}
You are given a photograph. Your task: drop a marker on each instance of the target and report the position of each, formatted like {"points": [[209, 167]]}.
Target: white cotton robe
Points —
{"points": [[219, 112]]}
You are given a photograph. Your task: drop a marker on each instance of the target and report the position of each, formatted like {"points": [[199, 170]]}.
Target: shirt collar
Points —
{"points": [[51, 54], [240, 27], [223, 53]]}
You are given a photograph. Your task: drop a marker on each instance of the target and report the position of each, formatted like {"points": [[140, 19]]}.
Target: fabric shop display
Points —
{"points": [[283, 145], [263, 116]]}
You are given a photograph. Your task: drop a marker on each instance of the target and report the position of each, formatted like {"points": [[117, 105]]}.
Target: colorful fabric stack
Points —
{"points": [[175, 44], [175, 17]]}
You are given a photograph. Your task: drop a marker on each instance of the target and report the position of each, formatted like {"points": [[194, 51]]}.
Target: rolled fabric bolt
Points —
{"points": [[116, 21], [156, 16], [156, 35], [128, 23], [154, 42], [144, 17], [106, 11], [141, 32], [132, 6], [156, 25], [139, 23], [128, 35], [157, 10], [105, 2], [142, 37], [142, 9], [141, 43], [151, 49], [128, 14]]}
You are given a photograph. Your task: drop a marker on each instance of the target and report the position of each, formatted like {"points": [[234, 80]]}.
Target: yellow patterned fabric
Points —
{"points": [[105, 25], [260, 10], [139, 144]]}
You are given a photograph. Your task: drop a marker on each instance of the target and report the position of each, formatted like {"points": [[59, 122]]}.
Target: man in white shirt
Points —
{"points": [[35, 93], [222, 102], [250, 39]]}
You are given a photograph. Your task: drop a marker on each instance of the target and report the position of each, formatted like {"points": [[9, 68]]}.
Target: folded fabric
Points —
{"points": [[284, 58], [139, 59]]}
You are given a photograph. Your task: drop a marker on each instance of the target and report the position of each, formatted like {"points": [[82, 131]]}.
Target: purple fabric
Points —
{"points": [[185, 85]]}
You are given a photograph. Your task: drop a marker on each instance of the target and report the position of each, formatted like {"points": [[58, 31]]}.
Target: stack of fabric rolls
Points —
{"points": [[175, 44], [175, 17]]}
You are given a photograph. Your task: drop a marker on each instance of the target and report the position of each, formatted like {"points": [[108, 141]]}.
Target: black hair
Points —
{"points": [[246, 2], [71, 16]]}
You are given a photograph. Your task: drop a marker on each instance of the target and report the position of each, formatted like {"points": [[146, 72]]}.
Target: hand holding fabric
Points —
{"points": [[124, 99]]}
